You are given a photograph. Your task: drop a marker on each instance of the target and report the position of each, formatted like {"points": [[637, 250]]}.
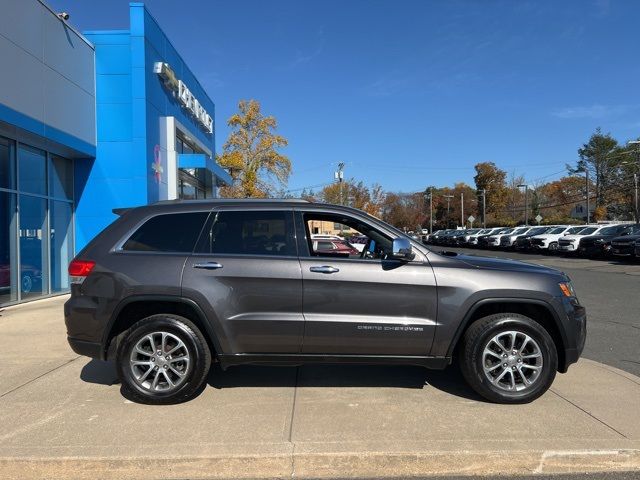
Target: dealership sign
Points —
{"points": [[184, 95]]}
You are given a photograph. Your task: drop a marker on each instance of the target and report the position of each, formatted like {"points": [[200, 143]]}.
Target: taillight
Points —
{"points": [[79, 269]]}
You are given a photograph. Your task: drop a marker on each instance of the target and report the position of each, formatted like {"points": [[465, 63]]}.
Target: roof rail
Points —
{"points": [[240, 200]]}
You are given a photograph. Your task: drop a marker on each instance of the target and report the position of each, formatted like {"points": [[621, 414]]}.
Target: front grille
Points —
{"points": [[537, 241], [565, 243]]}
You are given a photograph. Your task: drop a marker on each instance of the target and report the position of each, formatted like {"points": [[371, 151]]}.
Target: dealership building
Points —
{"points": [[90, 122]]}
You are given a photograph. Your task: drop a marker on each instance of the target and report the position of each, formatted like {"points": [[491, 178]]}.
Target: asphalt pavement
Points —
{"points": [[609, 289]]}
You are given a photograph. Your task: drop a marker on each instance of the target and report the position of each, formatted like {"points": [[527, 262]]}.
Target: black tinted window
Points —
{"points": [[175, 232], [248, 233]]}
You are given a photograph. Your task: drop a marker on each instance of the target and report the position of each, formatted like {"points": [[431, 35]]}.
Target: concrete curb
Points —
{"points": [[325, 465]]}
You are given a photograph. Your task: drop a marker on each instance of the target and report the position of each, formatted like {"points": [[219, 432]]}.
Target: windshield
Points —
{"points": [[519, 231], [509, 230], [574, 230], [587, 231], [556, 231], [614, 230], [537, 231]]}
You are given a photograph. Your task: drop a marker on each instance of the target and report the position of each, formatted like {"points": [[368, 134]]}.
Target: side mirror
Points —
{"points": [[401, 249]]}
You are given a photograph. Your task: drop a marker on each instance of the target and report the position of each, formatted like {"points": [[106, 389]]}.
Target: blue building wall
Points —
{"points": [[130, 100]]}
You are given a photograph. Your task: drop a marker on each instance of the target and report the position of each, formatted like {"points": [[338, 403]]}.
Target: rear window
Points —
{"points": [[172, 232]]}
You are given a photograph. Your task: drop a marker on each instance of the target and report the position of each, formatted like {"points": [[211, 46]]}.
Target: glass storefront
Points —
{"points": [[36, 222], [193, 183]]}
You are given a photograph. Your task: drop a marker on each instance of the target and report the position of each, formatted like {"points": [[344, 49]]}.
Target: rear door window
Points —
{"points": [[249, 232], [172, 232]]}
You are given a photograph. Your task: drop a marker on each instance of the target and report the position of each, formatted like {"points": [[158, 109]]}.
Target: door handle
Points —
{"points": [[324, 269], [208, 265]]}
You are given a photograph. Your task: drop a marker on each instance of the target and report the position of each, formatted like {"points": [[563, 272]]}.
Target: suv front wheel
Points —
{"points": [[508, 358], [163, 359]]}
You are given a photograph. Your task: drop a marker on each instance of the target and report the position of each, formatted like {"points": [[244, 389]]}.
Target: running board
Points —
{"points": [[296, 359]]}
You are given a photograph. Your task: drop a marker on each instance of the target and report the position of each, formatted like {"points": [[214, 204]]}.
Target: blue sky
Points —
{"points": [[410, 93]]}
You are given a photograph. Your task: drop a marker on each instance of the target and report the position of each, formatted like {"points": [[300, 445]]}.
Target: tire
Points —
{"points": [[539, 371], [181, 363], [553, 247]]}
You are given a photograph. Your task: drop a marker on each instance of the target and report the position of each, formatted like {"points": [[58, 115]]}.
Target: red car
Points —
{"points": [[334, 247]]}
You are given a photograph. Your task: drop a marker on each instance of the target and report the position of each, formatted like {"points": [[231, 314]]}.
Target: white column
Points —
{"points": [[168, 151]]}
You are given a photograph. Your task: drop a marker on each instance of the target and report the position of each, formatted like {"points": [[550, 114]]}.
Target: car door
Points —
{"points": [[364, 306], [246, 273]]}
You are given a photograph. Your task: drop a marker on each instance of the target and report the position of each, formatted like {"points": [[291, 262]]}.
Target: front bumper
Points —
{"points": [[576, 331], [626, 250]]}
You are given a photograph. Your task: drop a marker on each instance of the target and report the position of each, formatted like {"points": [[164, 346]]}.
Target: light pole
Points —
{"points": [[484, 208], [430, 197], [635, 178], [526, 203], [448, 197], [462, 222]]}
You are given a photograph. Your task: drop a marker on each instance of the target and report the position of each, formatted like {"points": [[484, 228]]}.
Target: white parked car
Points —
{"points": [[549, 240], [569, 243], [508, 239]]}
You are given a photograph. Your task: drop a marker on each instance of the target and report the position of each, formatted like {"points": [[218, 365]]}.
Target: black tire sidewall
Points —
{"points": [[519, 323], [189, 337]]}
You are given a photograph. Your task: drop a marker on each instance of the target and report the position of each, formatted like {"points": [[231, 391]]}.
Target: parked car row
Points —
{"points": [[586, 240]]}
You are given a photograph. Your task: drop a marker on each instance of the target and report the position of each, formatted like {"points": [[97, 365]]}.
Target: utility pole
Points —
{"points": [[637, 212], [339, 176], [448, 197], [526, 203], [430, 197], [462, 222], [586, 173], [484, 208]]}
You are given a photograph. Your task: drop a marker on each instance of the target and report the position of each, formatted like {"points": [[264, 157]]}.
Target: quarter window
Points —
{"points": [[174, 232], [248, 233]]}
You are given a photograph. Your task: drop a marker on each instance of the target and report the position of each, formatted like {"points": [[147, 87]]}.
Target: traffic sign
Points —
{"points": [[538, 218]]}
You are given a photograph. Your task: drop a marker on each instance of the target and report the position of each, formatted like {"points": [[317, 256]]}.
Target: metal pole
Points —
{"points": [[484, 208], [431, 210], [526, 205], [462, 222], [586, 171], [635, 181]]}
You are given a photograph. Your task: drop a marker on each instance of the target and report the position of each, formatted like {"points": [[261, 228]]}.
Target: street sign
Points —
{"points": [[471, 218], [538, 218]]}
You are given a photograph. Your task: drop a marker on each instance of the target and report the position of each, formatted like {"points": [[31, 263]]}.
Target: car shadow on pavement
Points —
{"points": [[449, 380], [362, 376], [100, 372]]}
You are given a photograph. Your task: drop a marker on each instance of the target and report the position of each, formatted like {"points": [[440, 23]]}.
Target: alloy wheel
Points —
{"points": [[160, 362], [512, 361]]}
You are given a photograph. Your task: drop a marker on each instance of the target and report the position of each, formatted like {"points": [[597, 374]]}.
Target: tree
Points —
{"points": [[492, 180], [600, 157], [354, 194], [251, 154]]}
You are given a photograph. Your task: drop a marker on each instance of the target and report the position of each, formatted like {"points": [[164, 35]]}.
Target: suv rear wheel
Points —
{"points": [[508, 358], [163, 359]]}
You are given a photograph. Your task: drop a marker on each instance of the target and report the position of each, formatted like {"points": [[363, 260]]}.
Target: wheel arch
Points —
{"points": [[538, 310], [137, 307]]}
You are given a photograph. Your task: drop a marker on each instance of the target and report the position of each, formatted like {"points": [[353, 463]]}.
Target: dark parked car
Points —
{"points": [[168, 288], [637, 248], [624, 246], [600, 245]]}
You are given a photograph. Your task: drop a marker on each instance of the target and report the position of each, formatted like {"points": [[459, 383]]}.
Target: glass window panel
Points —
{"points": [[32, 170], [61, 245], [188, 191], [249, 233], [60, 177], [8, 277], [176, 232], [7, 164], [32, 246]]}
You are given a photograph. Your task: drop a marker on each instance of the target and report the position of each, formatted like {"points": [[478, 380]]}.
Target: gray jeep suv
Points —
{"points": [[168, 288]]}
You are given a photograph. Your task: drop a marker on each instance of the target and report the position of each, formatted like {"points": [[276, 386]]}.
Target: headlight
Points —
{"points": [[599, 240], [567, 289]]}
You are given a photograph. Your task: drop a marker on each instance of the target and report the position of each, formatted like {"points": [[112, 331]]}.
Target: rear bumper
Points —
{"points": [[83, 347]]}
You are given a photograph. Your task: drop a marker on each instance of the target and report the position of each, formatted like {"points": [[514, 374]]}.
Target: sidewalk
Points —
{"points": [[62, 416]]}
